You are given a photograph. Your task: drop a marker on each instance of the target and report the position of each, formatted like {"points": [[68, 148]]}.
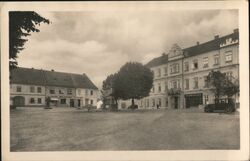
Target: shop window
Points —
{"points": [[63, 101]]}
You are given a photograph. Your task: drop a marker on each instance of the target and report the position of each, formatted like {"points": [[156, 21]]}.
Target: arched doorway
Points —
{"points": [[18, 101]]}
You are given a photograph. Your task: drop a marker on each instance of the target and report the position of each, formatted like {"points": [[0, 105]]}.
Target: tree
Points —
{"points": [[21, 23], [222, 85], [133, 81]]}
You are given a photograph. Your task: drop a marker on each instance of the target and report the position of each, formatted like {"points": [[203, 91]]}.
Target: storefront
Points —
{"points": [[193, 100]]}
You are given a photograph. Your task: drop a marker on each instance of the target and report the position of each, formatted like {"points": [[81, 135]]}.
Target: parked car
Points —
{"points": [[226, 105]]}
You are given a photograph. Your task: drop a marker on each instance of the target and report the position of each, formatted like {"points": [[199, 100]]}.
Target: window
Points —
{"points": [[19, 89], [206, 99], [52, 91], [69, 91], [91, 92], [159, 72], [216, 60], [91, 102], [79, 91], [39, 90], [159, 87], [195, 64], [159, 102], [63, 101], [61, 91], [205, 62], [32, 89], [153, 102], [174, 68], [229, 56], [147, 102], [229, 75], [32, 100], [165, 71], [153, 73], [187, 84], [195, 82], [205, 82], [166, 86], [86, 92], [175, 84], [153, 89], [39, 100], [186, 66]]}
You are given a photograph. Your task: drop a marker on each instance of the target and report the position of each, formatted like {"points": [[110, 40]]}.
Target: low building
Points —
{"points": [[32, 87]]}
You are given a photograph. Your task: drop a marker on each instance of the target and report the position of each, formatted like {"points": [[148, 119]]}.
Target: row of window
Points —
{"points": [[79, 91], [155, 102], [176, 83], [175, 68], [35, 101], [32, 89]]}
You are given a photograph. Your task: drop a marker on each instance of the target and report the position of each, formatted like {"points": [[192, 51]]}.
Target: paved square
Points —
{"points": [[77, 130]]}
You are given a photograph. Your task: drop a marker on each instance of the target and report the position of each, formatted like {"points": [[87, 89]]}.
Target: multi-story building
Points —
{"points": [[184, 72], [31, 87]]}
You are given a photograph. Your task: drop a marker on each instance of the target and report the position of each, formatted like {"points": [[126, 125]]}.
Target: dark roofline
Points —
{"points": [[71, 77]]}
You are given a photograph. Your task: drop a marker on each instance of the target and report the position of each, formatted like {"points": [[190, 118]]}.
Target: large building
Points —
{"points": [[32, 87], [180, 74]]}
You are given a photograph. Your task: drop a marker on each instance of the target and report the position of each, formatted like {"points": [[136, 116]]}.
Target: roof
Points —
{"points": [[163, 59], [197, 49], [32, 76], [209, 46]]}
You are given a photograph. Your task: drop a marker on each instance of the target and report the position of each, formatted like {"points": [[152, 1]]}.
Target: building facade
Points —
{"points": [[180, 75], [32, 87]]}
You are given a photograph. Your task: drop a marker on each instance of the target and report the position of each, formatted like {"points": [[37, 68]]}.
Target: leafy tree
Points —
{"points": [[108, 85], [133, 81], [21, 23], [222, 85]]}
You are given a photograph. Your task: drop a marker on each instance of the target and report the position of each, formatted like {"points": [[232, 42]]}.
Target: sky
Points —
{"points": [[99, 43]]}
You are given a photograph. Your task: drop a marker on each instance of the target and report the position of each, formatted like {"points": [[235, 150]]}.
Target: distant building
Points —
{"points": [[180, 75], [31, 87]]}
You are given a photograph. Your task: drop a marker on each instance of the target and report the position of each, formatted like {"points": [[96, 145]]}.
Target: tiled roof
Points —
{"points": [[197, 49], [209, 46], [50, 78], [27, 76], [163, 59]]}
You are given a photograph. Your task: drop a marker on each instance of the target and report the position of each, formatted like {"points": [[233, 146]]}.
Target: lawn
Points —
{"points": [[76, 130]]}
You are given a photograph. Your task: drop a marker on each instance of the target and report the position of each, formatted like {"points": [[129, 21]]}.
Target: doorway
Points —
{"points": [[176, 102], [72, 103], [79, 102], [18, 101]]}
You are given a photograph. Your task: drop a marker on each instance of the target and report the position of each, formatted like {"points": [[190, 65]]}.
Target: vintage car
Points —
{"points": [[226, 105]]}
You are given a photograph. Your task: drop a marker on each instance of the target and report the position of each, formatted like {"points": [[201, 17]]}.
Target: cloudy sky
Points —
{"points": [[99, 43]]}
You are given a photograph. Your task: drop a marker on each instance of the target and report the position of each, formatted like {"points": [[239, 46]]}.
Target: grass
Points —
{"points": [[76, 130]]}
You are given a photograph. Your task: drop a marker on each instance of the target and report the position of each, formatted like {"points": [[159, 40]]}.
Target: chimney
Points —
{"points": [[52, 70], [216, 36], [163, 54], [198, 43], [236, 30]]}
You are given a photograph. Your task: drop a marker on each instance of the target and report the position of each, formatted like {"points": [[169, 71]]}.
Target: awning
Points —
{"points": [[54, 99]]}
